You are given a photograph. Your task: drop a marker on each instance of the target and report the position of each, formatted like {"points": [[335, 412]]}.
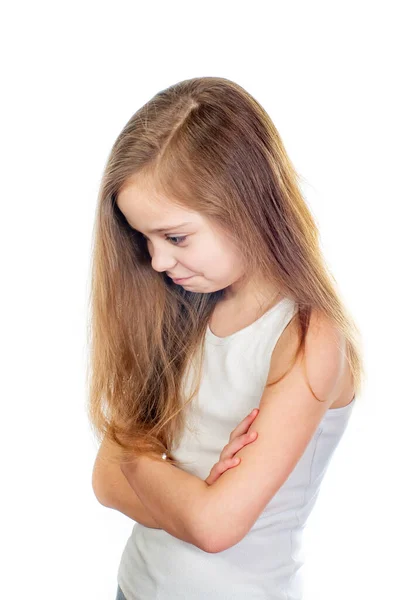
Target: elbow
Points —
{"points": [[206, 544], [215, 529], [221, 536], [212, 549], [98, 490], [201, 520], [203, 534], [211, 540], [101, 499], [211, 532], [99, 496], [213, 546]]}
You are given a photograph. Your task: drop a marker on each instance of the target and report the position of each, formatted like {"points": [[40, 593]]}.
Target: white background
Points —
{"points": [[73, 73]]}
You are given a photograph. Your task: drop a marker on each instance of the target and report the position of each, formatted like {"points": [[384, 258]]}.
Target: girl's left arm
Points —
{"points": [[176, 499]]}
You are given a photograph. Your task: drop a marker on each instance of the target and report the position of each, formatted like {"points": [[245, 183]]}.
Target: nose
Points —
{"points": [[161, 260]]}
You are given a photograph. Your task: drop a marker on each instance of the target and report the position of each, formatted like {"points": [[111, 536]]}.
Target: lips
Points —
{"points": [[177, 280]]}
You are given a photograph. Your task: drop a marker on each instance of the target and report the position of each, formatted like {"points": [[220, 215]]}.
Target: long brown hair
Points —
{"points": [[209, 145]]}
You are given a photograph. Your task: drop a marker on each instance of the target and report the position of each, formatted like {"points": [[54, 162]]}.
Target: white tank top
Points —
{"points": [[267, 563]]}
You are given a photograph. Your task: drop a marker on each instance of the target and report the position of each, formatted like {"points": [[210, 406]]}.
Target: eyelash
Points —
{"points": [[173, 237]]}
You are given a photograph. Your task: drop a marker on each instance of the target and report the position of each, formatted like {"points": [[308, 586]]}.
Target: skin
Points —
{"points": [[204, 251]]}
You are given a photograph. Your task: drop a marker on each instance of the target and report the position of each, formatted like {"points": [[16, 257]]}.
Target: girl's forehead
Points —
{"points": [[151, 211], [144, 195]]}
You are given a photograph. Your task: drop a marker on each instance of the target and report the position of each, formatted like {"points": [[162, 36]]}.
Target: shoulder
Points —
{"points": [[325, 358]]}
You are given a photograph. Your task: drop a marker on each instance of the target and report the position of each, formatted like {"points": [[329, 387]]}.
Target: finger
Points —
{"points": [[235, 445], [244, 425], [229, 463], [220, 467]]}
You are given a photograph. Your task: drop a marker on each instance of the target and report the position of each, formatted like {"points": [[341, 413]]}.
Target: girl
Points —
{"points": [[207, 269]]}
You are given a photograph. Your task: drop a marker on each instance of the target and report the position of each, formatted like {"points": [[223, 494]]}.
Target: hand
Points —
{"points": [[238, 439]]}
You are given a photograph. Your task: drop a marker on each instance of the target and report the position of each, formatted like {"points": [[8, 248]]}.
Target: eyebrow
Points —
{"points": [[170, 227]]}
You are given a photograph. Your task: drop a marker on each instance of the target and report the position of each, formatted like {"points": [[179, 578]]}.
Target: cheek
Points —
{"points": [[215, 266]]}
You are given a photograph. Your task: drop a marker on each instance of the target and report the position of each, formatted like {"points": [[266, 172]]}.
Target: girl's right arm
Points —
{"points": [[112, 489]]}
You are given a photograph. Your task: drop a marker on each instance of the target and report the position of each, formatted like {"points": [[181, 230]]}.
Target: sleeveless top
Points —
{"points": [[267, 563]]}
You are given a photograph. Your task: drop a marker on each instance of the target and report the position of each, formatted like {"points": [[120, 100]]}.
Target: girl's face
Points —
{"points": [[188, 245]]}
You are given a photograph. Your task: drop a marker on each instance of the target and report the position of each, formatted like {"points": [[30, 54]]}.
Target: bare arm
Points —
{"points": [[174, 497], [112, 489]]}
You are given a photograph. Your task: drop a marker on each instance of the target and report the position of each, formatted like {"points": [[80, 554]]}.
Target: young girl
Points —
{"points": [[207, 269]]}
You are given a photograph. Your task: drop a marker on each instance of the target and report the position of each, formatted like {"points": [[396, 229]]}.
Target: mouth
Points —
{"points": [[183, 279]]}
